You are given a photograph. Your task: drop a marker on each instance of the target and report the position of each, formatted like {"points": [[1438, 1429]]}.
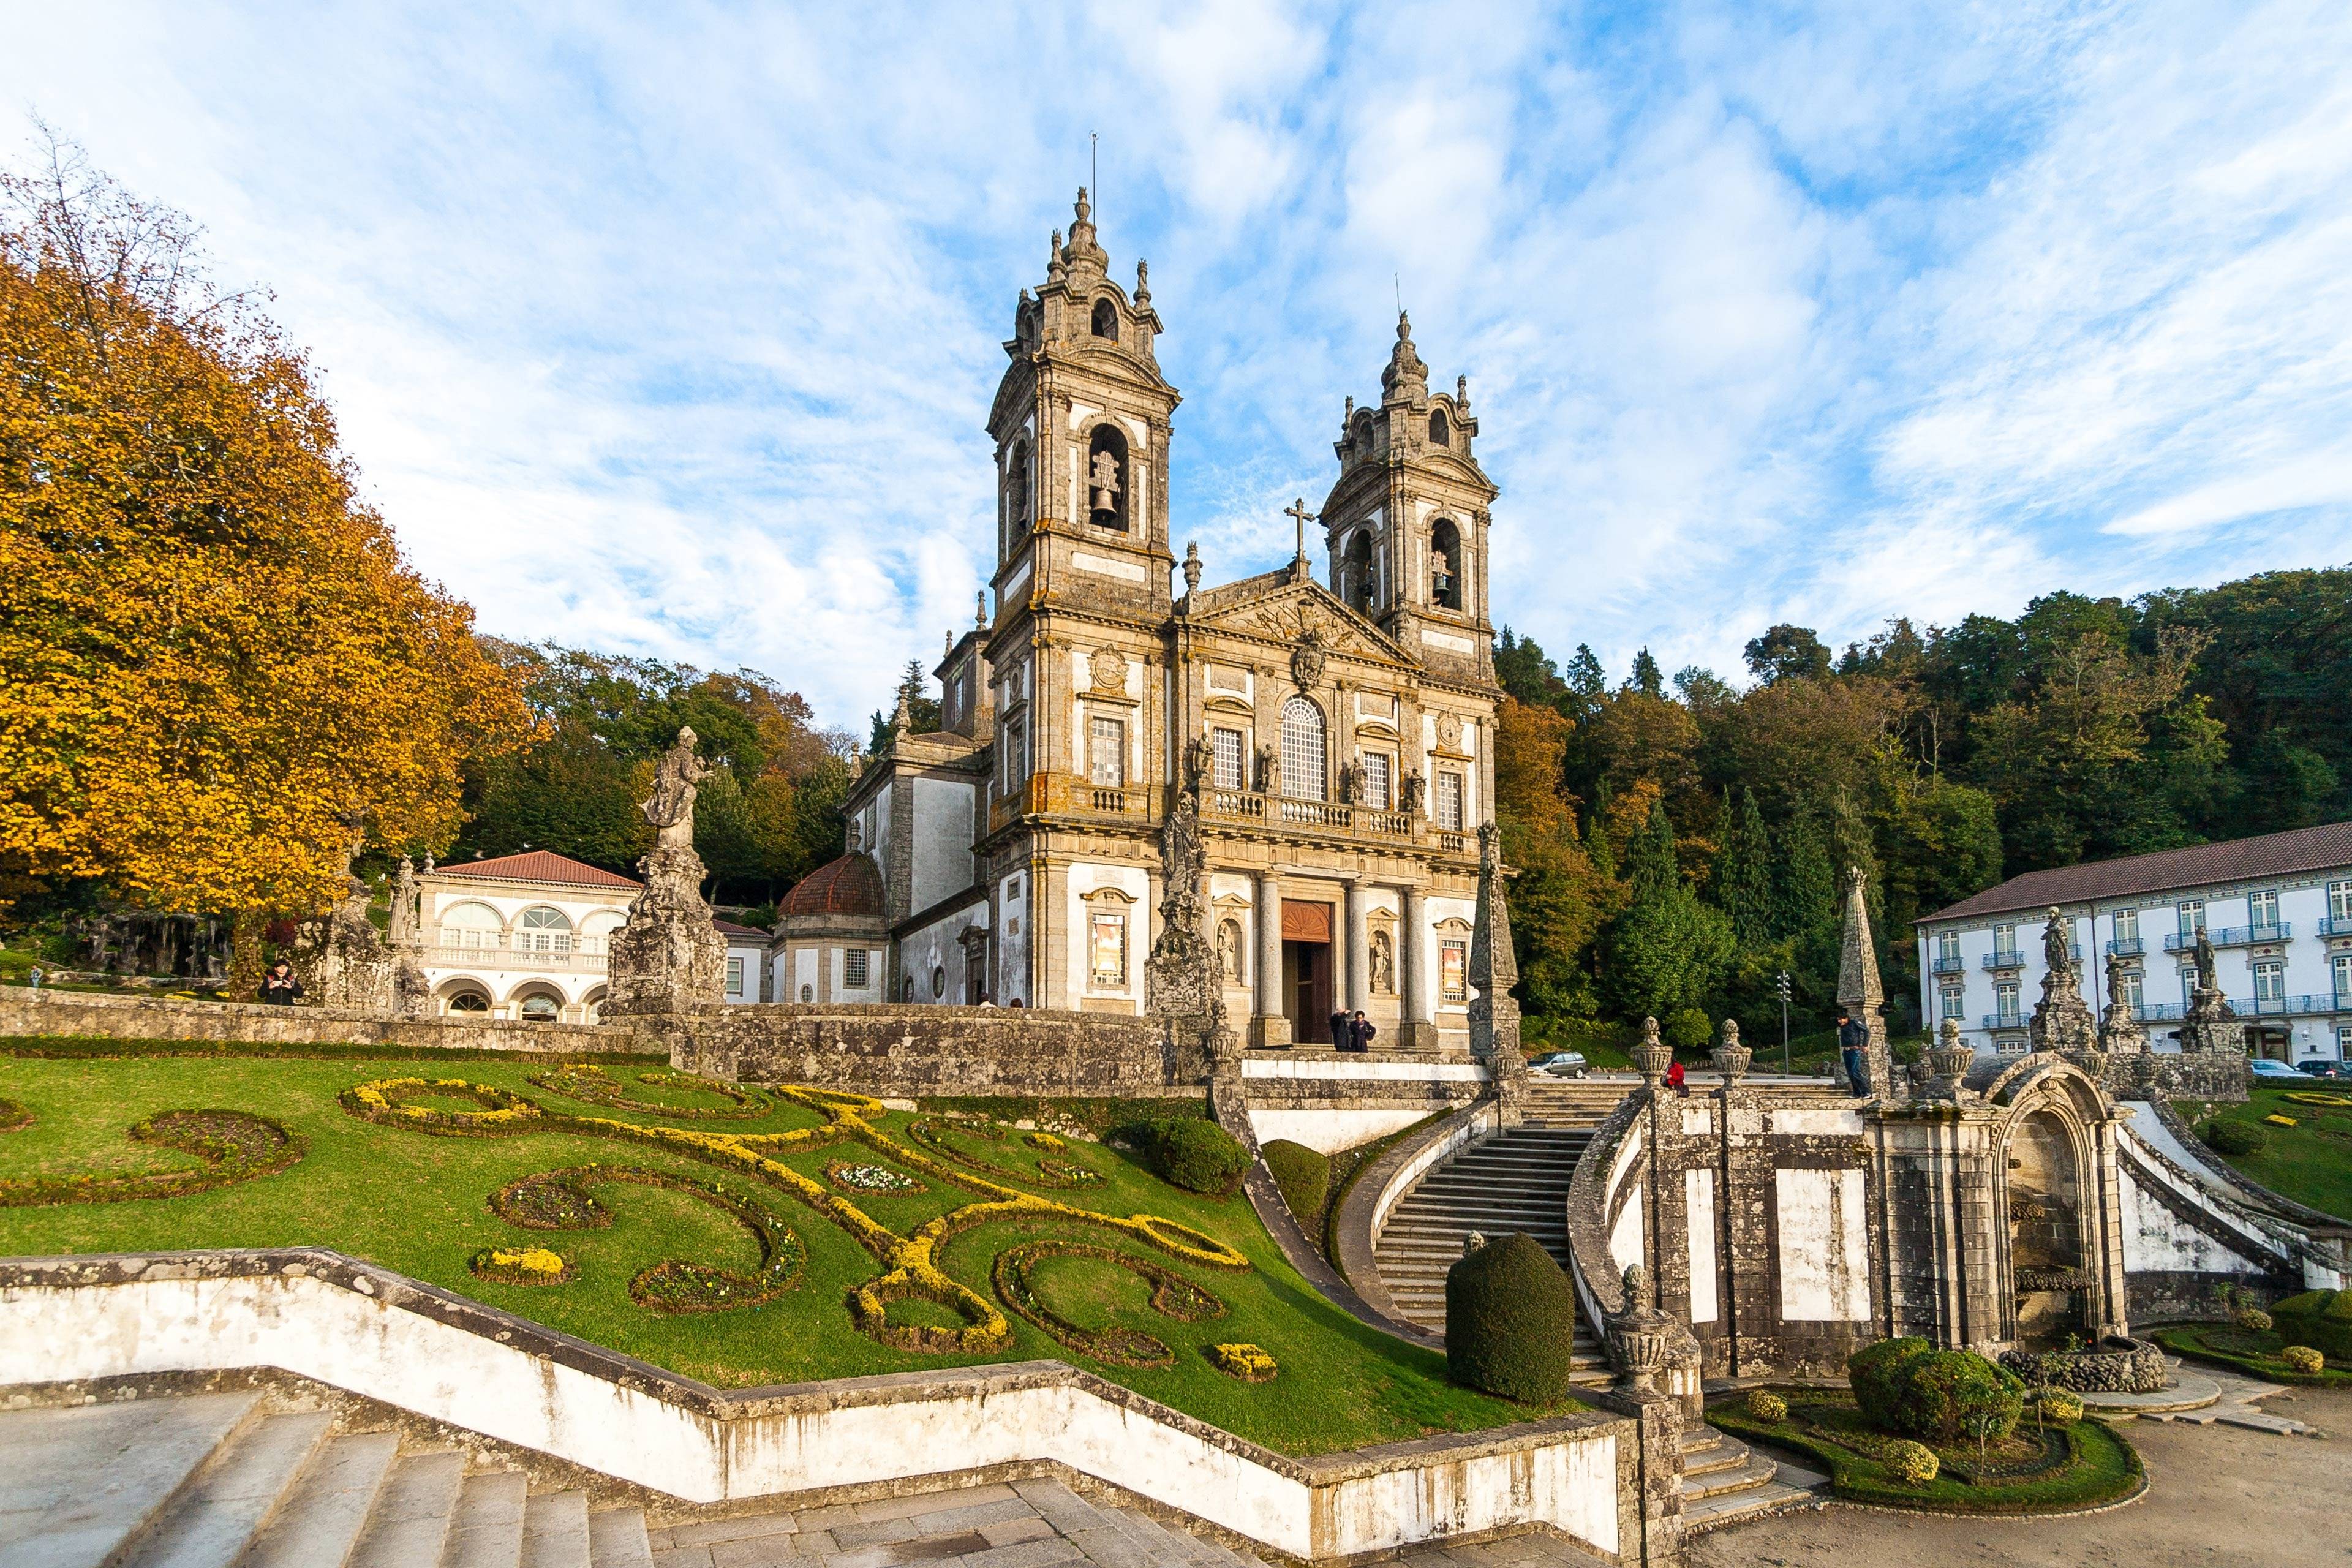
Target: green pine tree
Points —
{"points": [[1743, 874]]}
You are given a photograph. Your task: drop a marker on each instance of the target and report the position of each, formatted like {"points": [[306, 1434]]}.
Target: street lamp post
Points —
{"points": [[1781, 985]]}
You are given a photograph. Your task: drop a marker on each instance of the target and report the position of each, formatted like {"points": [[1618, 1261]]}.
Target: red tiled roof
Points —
{"points": [[538, 866], [729, 928], [849, 885], [2298, 850]]}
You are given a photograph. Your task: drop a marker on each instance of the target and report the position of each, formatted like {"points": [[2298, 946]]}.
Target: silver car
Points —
{"points": [[1562, 1064]]}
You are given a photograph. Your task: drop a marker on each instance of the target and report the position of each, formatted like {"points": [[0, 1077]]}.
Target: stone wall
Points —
{"points": [[896, 1049], [23, 1011], [1331, 1102]]}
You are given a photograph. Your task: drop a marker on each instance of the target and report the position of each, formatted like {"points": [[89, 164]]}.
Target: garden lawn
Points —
{"points": [[2084, 1463], [417, 1204], [2310, 1162], [2254, 1351]]}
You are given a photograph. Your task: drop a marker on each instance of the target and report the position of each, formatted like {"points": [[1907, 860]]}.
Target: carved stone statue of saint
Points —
{"points": [[2208, 976], [1383, 965], [1229, 952], [1269, 770], [2057, 949], [1352, 782], [1200, 759], [1409, 790], [670, 808], [1103, 481]]}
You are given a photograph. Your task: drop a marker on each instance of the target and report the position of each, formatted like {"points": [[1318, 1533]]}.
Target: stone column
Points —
{"points": [[1358, 972], [1273, 1023], [1416, 1031]]}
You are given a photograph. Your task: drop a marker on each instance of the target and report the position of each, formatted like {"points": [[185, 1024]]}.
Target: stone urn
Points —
{"points": [[1948, 1059], [1731, 1057], [1651, 1056], [1639, 1334]]}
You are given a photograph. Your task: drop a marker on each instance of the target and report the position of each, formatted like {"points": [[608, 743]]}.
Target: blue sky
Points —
{"points": [[672, 328]]}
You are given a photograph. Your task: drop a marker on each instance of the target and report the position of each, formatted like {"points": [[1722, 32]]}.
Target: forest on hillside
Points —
{"points": [[1680, 841]]}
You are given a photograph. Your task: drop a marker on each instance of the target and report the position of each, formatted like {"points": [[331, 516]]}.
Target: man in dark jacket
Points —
{"points": [[278, 987], [1338, 1028], [1360, 1031], [1854, 1039]]}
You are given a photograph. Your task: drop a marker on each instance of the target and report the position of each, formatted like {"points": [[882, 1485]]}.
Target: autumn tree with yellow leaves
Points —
{"points": [[212, 653]]}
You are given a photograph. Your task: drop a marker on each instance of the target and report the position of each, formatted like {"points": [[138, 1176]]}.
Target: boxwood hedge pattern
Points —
{"points": [[909, 1262], [1172, 1296], [234, 1146]]}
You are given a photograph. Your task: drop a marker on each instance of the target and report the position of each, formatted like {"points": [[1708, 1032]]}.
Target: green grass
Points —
{"points": [[2310, 1162], [2251, 1351], [2095, 1465], [415, 1203]]}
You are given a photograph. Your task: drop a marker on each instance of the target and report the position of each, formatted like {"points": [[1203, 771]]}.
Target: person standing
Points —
{"points": [[1677, 1081], [1853, 1041], [1360, 1031], [280, 986], [1338, 1028]]}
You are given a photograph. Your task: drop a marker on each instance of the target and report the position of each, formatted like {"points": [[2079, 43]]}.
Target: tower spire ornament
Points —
{"points": [[1296, 510]]}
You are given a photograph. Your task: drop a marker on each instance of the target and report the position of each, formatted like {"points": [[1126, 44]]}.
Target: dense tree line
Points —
{"points": [[1682, 845], [768, 815]]}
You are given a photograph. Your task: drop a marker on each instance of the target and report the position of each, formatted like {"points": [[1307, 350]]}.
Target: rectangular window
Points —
{"points": [[1016, 744], [2004, 941], [2270, 982], [1947, 944], [2340, 901], [2188, 987], [1449, 801], [2344, 1042], [1952, 1002], [1376, 780], [2343, 968], [2004, 1005], [734, 977], [1232, 751], [1107, 949], [1454, 970], [2126, 925], [2128, 984], [853, 970], [2262, 912], [1106, 752], [2192, 917]]}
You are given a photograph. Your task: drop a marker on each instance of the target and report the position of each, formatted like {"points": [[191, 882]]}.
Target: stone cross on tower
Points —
{"points": [[1299, 513]]}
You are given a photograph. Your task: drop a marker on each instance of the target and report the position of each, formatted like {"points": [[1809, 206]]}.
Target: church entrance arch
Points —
{"points": [[1307, 971], [2045, 1231]]}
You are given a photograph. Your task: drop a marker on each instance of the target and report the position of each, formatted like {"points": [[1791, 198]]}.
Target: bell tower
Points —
{"points": [[1081, 426], [1406, 520]]}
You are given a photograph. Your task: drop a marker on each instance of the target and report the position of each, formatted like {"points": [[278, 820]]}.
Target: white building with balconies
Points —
{"points": [[2277, 909], [523, 937]]}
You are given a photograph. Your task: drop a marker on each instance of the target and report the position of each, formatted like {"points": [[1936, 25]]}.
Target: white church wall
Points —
{"points": [[1012, 940], [1130, 888], [943, 839], [934, 954]]}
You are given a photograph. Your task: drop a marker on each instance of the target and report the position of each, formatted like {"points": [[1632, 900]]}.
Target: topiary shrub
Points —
{"points": [[1303, 1175], [1913, 1464], [2060, 1405], [2233, 1138], [2253, 1320], [2304, 1359], [1189, 1153], [2319, 1318], [1908, 1385], [1766, 1405], [1686, 1029], [1510, 1321]]}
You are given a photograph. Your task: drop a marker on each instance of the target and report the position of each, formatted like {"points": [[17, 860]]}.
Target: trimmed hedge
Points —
{"points": [[2320, 1319], [1907, 1385], [2233, 1138], [1510, 1321], [1184, 1151], [1303, 1175]]}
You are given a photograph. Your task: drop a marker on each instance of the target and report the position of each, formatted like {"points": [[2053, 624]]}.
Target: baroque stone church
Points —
{"points": [[1342, 730]]}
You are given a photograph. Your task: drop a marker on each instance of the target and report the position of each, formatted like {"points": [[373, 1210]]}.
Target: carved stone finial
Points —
{"points": [[1473, 1242], [1191, 568], [1731, 1057], [1142, 283], [979, 610], [1637, 1278], [1461, 394], [1651, 1056]]}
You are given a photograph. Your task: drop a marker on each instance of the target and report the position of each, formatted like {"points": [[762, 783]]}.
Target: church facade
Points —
{"points": [[1341, 732]]}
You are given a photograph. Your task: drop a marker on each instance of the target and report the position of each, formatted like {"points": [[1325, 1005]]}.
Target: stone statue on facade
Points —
{"points": [[1409, 790], [1383, 965], [1494, 970], [668, 955], [1269, 769], [1200, 763], [2061, 1020], [1352, 782]]}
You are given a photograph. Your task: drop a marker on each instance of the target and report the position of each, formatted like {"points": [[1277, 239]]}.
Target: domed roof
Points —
{"points": [[849, 885]]}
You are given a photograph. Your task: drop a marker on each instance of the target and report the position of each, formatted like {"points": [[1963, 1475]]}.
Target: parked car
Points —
{"points": [[2263, 1066], [2320, 1067], [1562, 1064]]}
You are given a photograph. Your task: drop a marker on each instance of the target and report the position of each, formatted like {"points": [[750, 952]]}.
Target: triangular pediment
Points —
{"points": [[1282, 608]]}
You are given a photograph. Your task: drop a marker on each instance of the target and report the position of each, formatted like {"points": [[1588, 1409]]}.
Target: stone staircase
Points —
{"points": [[232, 1481], [1724, 1480]]}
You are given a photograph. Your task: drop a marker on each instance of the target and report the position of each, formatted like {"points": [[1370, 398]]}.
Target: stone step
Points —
{"points": [[211, 1520], [555, 1531], [1793, 1490], [410, 1521], [616, 1539], [486, 1531], [1748, 1471], [80, 1486], [325, 1510]]}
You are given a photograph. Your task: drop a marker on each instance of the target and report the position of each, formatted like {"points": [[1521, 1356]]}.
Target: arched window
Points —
{"points": [[1108, 478], [1440, 434], [543, 929], [470, 925], [1445, 565], [597, 927], [1106, 320], [1016, 494], [540, 1008], [468, 1001], [1303, 766], [1356, 575]]}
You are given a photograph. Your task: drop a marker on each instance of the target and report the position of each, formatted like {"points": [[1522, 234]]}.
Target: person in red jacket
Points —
{"points": [[1675, 1079]]}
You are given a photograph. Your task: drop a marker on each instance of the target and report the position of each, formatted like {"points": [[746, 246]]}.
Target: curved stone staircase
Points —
{"points": [[1518, 1181]]}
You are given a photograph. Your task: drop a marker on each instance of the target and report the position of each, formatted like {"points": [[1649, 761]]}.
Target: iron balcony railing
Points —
{"points": [[2231, 936], [2335, 925], [2259, 1007], [1948, 965], [2128, 946], [2014, 958], [2004, 1020]]}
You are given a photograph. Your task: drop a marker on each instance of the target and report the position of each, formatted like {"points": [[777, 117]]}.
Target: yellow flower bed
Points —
{"points": [[521, 1266], [2309, 1097], [910, 1267], [2275, 1120], [1248, 1363]]}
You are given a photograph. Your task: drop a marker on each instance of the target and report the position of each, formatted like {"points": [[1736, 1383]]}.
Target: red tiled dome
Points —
{"points": [[849, 885]]}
